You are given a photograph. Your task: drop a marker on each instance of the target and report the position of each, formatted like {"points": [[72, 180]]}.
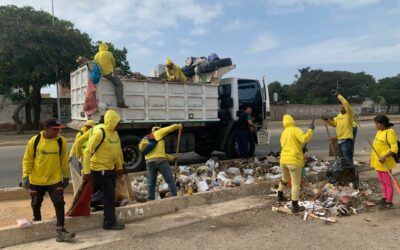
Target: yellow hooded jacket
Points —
{"points": [[344, 123], [105, 59], [47, 168], [175, 74], [82, 141], [109, 154], [292, 139], [81, 132], [159, 150], [385, 141]]}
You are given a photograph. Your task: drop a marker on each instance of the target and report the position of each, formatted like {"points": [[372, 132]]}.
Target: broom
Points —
{"points": [[177, 152]]}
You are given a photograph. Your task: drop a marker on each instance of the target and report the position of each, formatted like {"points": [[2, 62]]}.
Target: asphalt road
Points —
{"points": [[11, 156]]}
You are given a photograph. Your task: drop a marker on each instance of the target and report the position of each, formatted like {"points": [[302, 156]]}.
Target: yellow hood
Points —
{"points": [[288, 121], [168, 61], [103, 47], [111, 119]]}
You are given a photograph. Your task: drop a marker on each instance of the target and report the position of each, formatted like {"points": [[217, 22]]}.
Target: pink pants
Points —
{"points": [[386, 184]]}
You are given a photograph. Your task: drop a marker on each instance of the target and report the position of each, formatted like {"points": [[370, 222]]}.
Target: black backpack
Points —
{"points": [[36, 142], [396, 156]]}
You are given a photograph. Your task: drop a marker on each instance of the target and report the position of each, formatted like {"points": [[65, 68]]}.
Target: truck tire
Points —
{"points": [[133, 158], [202, 148], [211, 66], [232, 150]]}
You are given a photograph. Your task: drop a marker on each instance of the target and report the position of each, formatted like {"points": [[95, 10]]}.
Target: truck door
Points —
{"points": [[249, 93]]}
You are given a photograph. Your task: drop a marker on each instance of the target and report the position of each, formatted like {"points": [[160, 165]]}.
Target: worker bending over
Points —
{"points": [[174, 73]]}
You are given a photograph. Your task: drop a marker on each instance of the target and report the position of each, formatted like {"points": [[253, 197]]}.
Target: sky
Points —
{"points": [[272, 37]]}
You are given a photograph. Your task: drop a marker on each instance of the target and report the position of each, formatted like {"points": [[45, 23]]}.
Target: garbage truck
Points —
{"points": [[208, 106]]}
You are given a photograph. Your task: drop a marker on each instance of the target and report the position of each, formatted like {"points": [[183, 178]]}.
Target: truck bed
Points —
{"points": [[149, 101]]}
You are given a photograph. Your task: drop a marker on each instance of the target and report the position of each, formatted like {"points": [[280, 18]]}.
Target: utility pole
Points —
{"points": [[56, 67]]}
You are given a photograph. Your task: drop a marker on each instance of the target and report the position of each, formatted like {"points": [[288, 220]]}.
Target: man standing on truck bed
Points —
{"points": [[245, 123], [105, 59], [174, 73], [45, 169]]}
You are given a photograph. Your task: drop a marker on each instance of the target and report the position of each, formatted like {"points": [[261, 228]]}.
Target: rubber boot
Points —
{"points": [[281, 197], [64, 235], [296, 208]]}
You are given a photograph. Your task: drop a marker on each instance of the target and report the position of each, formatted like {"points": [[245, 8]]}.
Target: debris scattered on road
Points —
{"points": [[24, 223]]}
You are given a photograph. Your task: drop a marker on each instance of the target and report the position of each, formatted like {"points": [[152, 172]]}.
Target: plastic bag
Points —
{"points": [[90, 105], [342, 172]]}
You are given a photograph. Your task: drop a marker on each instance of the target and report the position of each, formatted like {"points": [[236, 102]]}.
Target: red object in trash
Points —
{"points": [[345, 199], [90, 105], [81, 204]]}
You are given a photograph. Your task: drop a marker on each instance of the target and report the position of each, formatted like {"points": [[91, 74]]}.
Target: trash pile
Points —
{"points": [[202, 64], [326, 201], [214, 174]]}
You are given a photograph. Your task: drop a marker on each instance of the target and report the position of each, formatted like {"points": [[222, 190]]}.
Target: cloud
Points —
{"points": [[142, 20], [366, 49], [187, 42], [263, 42], [290, 6], [199, 31], [235, 25]]}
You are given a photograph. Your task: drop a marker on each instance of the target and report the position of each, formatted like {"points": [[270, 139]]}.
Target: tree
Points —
{"points": [[35, 53], [388, 88], [320, 87], [120, 56], [281, 90]]}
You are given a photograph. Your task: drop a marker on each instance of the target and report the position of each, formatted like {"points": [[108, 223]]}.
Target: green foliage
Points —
{"points": [[34, 51], [282, 90], [319, 87], [120, 56], [389, 89]]}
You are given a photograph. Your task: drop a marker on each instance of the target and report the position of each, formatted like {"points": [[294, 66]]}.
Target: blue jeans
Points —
{"points": [[346, 149], [152, 170], [242, 138]]}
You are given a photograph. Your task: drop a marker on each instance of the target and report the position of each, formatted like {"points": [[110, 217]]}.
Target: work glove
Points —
{"points": [[69, 159], [311, 126], [325, 117], [65, 182], [25, 183], [86, 177]]}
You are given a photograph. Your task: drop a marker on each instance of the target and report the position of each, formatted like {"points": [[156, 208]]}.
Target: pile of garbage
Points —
{"points": [[326, 201], [204, 64], [214, 174]]}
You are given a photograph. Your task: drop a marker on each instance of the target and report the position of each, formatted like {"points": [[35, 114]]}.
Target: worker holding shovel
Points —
{"points": [[292, 160], [384, 148]]}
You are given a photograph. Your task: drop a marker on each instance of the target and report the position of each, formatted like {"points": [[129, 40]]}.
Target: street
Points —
{"points": [[11, 156]]}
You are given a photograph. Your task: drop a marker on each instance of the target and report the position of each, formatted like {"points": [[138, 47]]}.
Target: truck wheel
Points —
{"points": [[232, 149], [133, 158], [203, 150]]}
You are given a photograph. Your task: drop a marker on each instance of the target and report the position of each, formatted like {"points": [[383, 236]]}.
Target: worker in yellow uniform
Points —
{"points": [[157, 159], [45, 169], [88, 125], [383, 161], [101, 162], [105, 60], [174, 72], [344, 124], [292, 160]]}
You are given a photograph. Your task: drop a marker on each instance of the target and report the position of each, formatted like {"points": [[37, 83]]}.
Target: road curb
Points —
{"points": [[13, 235]]}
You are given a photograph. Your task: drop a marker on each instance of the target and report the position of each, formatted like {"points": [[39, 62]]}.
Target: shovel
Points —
{"points": [[177, 153]]}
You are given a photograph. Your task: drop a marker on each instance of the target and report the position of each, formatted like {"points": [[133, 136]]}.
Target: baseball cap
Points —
{"points": [[53, 123]]}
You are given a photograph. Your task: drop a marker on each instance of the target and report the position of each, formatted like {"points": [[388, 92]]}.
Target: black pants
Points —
{"points": [[105, 181], [56, 193]]}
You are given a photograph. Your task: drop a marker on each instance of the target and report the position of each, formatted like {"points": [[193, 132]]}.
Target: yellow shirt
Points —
{"points": [[109, 155], [344, 122], [175, 74], [385, 141], [48, 167], [159, 149], [292, 139], [81, 132]]}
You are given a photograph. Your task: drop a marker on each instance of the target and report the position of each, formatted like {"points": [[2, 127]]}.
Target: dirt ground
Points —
{"points": [[12, 210]]}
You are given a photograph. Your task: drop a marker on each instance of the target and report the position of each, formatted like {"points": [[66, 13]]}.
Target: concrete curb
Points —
{"points": [[44, 230]]}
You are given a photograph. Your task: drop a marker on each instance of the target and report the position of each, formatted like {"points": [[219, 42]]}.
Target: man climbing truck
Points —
{"points": [[208, 107]]}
